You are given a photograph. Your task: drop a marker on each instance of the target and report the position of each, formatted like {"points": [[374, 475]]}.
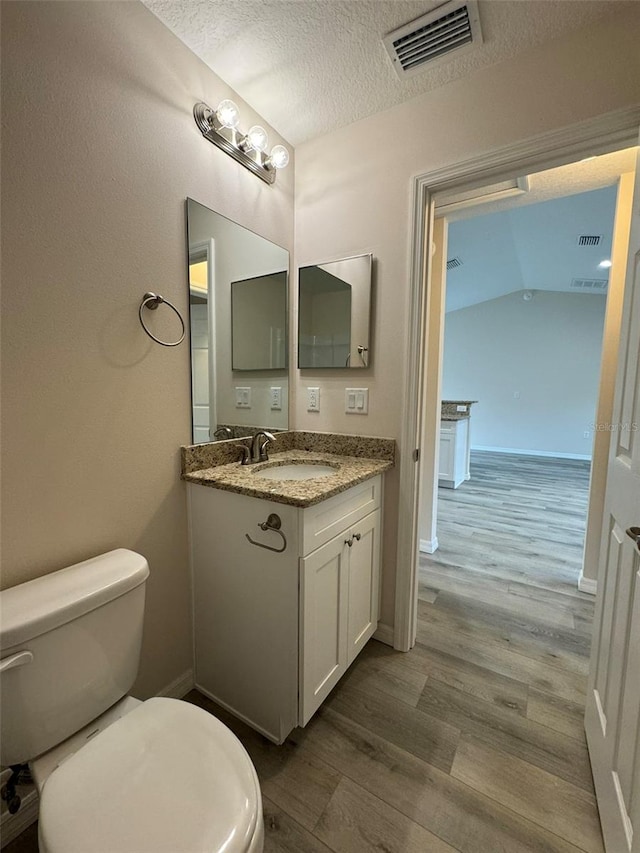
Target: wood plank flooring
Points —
{"points": [[472, 741]]}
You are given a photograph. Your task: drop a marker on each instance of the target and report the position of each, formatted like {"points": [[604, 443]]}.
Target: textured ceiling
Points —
{"points": [[310, 66]]}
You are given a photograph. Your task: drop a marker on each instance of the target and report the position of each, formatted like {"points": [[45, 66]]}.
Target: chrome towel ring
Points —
{"points": [[151, 301]]}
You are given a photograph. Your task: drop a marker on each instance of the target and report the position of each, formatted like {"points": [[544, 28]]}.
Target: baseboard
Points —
{"points": [[520, 452], [587, 585], [384, 633], [429, 546], [11, 825], [180, 687]]}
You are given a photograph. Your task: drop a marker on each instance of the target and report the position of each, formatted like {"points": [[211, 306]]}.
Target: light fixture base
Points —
{"points": [[229, 140]]}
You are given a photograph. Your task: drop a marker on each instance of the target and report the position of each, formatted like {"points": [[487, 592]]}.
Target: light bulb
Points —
{"points": [[257, 138], [279, 157], [228, 114], [604, 265]]}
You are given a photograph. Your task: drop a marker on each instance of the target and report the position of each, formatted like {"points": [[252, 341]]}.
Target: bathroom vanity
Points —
{"points": [[286, 579]]}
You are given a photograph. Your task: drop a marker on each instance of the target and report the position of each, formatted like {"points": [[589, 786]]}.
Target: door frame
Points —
{"points": [[599, 135]]}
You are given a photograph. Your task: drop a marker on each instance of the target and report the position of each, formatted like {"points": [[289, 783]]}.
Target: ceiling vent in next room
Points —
{"points": [[452, 263], [594, 285], [420, 44], [589, 239]]}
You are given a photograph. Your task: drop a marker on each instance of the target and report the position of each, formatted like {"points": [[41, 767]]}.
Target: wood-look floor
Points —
{"points": [[473, 740]]}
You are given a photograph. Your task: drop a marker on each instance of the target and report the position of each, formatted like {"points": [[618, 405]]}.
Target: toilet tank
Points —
{"points": [[69, 649]]}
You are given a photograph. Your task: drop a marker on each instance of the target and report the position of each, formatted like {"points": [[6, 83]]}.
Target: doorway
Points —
{"points": [[526, 291], [604, 134]]}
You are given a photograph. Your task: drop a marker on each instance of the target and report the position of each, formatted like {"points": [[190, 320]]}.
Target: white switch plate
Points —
{"points": [[461, 408], [243, 398], [356, 401], [313, 399], [276, 398]]}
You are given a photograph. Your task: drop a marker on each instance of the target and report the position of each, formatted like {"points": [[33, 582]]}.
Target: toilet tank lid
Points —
{"points": [[35, 607]]}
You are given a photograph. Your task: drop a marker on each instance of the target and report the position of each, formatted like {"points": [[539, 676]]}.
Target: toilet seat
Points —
{"points": [[166, 778]]}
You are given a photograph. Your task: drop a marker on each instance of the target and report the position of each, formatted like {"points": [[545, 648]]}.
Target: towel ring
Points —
{"points": [[151, 301]]}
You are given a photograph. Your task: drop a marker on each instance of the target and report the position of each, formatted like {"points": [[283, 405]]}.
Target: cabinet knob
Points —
{"points": [[349, 541], [357, 536]]}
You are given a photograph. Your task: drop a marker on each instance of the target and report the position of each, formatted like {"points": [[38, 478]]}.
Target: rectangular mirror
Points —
{"points": [[238, 320], [334, 315]]}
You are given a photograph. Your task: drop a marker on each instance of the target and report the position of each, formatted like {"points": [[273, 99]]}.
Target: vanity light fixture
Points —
{"points": [[220, 126]]}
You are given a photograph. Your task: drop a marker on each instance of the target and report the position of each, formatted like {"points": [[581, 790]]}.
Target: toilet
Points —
{"points": [[114, 774]]}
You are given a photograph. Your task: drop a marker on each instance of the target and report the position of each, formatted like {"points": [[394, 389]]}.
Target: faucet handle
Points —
{"points": [[245, 458]]}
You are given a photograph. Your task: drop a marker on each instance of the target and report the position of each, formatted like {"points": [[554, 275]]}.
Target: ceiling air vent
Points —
{"points": [[589, 239], [454, 26], [452, 263], [595, 285]]}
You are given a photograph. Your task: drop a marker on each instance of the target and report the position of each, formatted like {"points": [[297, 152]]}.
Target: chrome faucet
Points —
{"points": [[223, 433], [259, 447], [258, 452]]}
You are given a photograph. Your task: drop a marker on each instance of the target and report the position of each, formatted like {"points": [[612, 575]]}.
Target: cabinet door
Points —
{"points": [[323, 613], [447, 451], [363, 583]]}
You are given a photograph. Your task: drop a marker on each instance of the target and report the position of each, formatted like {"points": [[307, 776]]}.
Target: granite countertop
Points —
{"points": [[345, 453], [449, 411]]}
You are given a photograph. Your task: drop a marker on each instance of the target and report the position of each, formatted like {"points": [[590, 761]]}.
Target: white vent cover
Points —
{"points": [[454, 26], [589, 239], [595, 285], [452, 263]]}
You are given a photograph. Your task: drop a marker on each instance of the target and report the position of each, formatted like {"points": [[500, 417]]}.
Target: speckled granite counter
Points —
{"points": [[449, 409], [355, 459]]}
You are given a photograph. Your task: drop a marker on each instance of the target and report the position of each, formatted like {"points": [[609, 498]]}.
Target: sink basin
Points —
{"points": [[296, 471]]}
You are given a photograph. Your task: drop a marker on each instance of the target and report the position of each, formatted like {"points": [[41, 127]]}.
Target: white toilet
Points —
{"points": [[115, 775]]}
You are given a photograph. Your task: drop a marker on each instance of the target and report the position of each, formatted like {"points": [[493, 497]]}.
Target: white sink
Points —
{"points": [[296, 471]]}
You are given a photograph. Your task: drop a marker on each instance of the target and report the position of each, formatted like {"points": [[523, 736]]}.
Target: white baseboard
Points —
{"points": [[11, 825], [384, 633], [587, 585], [180, 687], [520, 452], [429, 546]]}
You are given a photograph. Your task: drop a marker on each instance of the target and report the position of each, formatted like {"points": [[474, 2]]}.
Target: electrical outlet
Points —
{"points": [[516, 395], [276, 398], [243, 398], [313, 399], [585, 434]]}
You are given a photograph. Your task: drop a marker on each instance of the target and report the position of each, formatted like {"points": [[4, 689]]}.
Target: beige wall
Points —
{"points": [[99, 152], [547, 350], [353, 195]]}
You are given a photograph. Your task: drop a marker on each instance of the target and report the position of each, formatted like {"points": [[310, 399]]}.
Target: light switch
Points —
{"points": [[313, 399], [356, 401], [276, 398], [243, 398]]}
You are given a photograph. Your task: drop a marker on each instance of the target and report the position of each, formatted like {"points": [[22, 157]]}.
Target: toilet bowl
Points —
{"points": [[123, 776]]}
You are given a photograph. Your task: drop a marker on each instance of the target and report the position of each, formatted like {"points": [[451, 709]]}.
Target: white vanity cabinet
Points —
{"points": [[454, 453], [274, 632]]}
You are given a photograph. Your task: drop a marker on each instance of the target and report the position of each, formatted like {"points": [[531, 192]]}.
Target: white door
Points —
{"points": [[613, 701]]}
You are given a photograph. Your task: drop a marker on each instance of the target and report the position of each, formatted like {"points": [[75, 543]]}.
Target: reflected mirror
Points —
{"points": [[238, 317], [334, 313]]}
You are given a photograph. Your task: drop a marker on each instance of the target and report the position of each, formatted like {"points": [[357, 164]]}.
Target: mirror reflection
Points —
{"points": [[334, 313], [238, 312]]}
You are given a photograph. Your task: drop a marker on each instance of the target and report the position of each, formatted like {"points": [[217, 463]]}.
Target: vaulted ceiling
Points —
{"points": [[310, 66]]}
